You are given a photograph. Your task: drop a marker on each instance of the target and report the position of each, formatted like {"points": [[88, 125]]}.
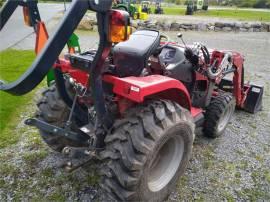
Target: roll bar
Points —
{"points": [[49, 55]]}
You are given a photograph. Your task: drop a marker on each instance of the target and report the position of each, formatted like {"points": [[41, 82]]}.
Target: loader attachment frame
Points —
{"points": [[49, 54]]}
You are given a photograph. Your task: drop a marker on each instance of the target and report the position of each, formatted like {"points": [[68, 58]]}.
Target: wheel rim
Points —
{"points": [[225, 118], [166, 163]]}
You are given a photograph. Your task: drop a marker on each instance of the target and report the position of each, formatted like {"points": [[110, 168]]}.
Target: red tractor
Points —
{"points": [[133, 103]]}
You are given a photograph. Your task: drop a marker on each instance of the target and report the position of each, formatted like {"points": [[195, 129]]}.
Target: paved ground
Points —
{"points": [[234, 167]]}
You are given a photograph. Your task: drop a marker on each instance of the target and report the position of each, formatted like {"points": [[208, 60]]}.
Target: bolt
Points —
{"points": [[55, 130], [66, 134], [66, 150]]}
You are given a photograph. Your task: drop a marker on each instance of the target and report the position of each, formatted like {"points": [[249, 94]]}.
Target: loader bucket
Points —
{"points": [[253, 102]]}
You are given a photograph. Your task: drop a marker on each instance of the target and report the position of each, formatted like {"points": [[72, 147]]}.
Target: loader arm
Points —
{"points": [[11, 5], [47, 57], [55, 44]]}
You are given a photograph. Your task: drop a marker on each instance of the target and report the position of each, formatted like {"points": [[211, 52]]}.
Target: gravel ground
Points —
{"points": [[234, 167]]}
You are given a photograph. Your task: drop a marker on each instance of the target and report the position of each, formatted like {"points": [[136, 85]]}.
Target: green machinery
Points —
{"points": [[158, 8], [146, 7], [194, 5], [134, 12], [73, 47]]}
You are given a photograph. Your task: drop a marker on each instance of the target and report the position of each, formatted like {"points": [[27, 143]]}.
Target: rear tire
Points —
{"points": [[205, 8], [218, 115], [147, 151], [53, 110]]}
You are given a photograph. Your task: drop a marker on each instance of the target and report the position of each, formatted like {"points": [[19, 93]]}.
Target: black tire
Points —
{"points": [[128, 173], [53, 110], [205, 8], [122, 8], [189, 11], [218, 114]]}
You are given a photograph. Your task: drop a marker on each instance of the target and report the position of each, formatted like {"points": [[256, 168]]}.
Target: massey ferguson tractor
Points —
{"points": [[133, 103]]}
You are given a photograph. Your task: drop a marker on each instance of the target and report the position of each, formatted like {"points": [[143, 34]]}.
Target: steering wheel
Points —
{"points": [[166, 42], [159, 48]]}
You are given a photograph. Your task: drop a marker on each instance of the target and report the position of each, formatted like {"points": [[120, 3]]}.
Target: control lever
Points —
{"points": [[180, 35], [213, 72]]}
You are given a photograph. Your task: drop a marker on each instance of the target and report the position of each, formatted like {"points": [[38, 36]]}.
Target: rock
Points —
{"points": [[257, 29], [95, 28], [227, 29], [151, 26], [238, 25], [155, 22], [218, 29], [194, 27], [86, 24], [147, 21], [134, 24], [229, 25], [246, 25], [186, 27], [219, 24], [211, 28], [158, 27], [166, 26], [175, 26], [186, 24], [241, 29], [256, 25], [266, 27], [202, 27]]}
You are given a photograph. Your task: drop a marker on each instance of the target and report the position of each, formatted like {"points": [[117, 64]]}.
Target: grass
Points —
{"points": [[34, 158], [12, 64], [237, 14], [231, 13]]}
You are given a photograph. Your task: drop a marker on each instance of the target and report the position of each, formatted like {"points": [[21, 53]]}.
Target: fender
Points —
{"points": [[137, 89]]}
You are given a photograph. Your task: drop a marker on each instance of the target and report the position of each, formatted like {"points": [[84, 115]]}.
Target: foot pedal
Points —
{"points": [[253, 101]]}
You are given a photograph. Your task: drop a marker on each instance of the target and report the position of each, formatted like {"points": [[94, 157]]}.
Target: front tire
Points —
{"points": [[218, 114], [147, 151]]}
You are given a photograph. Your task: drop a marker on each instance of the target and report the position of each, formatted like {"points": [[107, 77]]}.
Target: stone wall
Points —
{"points": [[89, 23], [216, 26]]}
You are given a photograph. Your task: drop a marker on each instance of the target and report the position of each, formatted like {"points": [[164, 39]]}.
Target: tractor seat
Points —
{"points": [[131, 57]]}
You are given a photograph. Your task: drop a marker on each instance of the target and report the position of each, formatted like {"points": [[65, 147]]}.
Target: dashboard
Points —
{"points": [[171, 54]]}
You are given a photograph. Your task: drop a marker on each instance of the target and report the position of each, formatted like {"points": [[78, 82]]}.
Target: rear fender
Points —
{"points": [[137, 89]]}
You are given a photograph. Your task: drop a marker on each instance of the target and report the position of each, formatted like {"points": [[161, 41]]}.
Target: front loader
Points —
{"points": [[134, 102]]}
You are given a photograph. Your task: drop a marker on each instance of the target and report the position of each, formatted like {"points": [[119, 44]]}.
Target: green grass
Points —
{"points": [[237, 14], [12, 64], [231, 13], [174, 11]]}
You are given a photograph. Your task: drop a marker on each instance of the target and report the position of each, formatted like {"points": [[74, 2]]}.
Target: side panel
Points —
{"points": [[137, 89]]}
